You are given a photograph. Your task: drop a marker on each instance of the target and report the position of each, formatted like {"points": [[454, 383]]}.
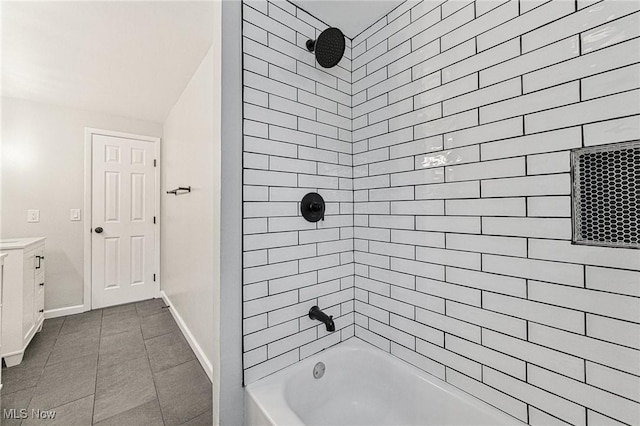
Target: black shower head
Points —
{"points": [[329, 47]]}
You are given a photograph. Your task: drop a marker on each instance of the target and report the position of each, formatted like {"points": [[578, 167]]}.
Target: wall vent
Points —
{"points": [[606, 195]]}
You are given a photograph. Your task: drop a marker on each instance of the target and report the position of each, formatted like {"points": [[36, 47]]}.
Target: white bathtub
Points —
{"points": [[362, 385]]}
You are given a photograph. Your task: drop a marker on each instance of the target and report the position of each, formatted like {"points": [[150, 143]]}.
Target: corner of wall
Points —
{"points": [[230, 393], [461, 119]]}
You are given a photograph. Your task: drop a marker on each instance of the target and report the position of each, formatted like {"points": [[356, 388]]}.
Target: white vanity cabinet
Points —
{"points": [[2, 256], [23, 295]]}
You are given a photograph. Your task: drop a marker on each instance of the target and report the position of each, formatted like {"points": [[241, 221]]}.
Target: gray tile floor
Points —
{"points": [[124, 365]]}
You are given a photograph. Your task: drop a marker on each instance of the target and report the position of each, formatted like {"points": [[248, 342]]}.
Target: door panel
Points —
{"points": [[137, 259], [137, 197], [111, 262], [112, 197], [123, 205]]}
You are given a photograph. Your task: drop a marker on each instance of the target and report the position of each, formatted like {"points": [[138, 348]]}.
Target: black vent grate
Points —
{"points": [[606, 195]]}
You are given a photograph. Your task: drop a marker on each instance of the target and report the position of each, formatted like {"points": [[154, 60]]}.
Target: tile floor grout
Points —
{"points": [[163, 360], [155, 388], [95, 386]]}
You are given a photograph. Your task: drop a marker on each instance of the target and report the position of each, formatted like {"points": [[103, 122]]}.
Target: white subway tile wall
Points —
{"points": [[297, 139], [445, 164], [518, 85]]}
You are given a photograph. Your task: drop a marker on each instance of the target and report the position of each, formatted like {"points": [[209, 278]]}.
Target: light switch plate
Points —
{"points": [[33, 216], [75, 214]]}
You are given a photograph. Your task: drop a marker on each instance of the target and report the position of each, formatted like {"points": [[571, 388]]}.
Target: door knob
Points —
{"points": [[98, 230]]}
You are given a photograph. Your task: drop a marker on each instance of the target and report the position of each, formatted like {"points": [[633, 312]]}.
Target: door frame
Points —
{"points": [[86, 220]]}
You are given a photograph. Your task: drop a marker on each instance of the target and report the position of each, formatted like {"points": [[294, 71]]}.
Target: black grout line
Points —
{"points": [[596, 291], [493, 349], [246, 70], [242, 177], [473, 92], [296, 32], [529, 71], [353, 211]]}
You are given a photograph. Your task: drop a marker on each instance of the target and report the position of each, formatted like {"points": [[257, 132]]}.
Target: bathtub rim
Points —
{"points": [[269, 391]]}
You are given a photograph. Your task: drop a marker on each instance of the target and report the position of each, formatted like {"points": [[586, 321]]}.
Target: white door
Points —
{"points": [[122, 223]]}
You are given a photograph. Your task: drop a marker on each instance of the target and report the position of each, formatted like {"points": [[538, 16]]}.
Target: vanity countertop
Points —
{"points": [[19, 243]]}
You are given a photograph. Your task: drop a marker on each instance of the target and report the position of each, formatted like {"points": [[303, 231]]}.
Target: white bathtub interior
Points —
{"points": [[363, 385]]}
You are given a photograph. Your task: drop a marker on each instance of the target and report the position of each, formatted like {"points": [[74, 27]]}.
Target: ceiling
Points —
{"points": [[127, 58], [132, 59], [351, 16]]}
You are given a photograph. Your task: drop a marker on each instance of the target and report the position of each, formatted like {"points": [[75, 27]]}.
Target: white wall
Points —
{"points": [[228, 390], [43, 168], [464, 117], [190, 223]]}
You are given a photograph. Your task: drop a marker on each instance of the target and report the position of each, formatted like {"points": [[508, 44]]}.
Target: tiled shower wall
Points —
{"points": [[464, 115], [455, 203], [297, 139]]}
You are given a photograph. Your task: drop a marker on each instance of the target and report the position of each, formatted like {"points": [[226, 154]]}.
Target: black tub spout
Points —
{"points": [[316, 314]]}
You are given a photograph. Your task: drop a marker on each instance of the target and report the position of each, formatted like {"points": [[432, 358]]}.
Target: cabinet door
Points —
{"points": [[28, 294], [39, 286]]}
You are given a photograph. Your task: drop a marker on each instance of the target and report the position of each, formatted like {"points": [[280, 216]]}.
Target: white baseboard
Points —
{"points": [[204, 361], [61, 312]]}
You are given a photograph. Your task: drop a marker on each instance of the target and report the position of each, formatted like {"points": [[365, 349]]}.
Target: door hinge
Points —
{"points": [[154, 219], [155, 163], [154, 277]]}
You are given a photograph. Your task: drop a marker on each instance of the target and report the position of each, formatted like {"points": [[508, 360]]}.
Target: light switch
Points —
{"points": [[75, 214], [33, 216]]}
